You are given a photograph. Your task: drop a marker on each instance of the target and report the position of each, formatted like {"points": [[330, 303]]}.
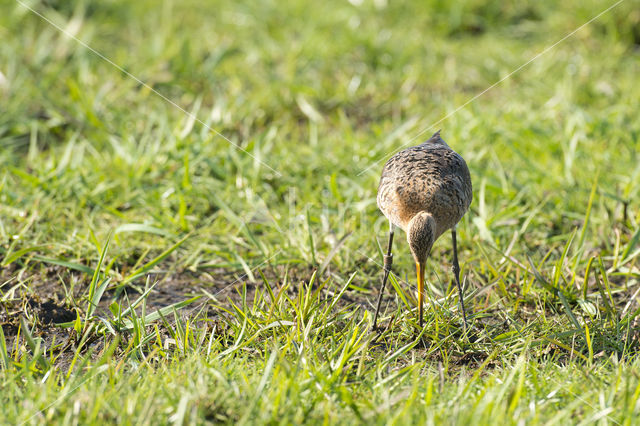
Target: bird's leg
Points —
{"points": [[456, 273], [388, 261]]}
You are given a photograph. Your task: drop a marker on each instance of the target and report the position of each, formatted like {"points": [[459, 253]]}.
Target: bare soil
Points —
{"points": [[46, 297]]}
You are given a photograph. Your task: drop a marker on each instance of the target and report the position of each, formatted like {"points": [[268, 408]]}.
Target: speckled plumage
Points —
{"points": [[430, 177], [424, 190]]}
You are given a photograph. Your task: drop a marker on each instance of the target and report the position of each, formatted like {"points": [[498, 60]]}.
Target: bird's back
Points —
{"points": [[429, 177]]}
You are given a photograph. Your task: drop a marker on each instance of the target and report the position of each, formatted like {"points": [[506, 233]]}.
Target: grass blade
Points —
{"points": [[12, 257], [158, 314], [148, 266], [93, 291]]}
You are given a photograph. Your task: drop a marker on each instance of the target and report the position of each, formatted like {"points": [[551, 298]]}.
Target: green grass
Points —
{"points": [[196, 278]]}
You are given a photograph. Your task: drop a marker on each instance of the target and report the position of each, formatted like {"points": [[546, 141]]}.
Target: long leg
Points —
{"points": [[456, 273], [420, 268], [388, 261]]}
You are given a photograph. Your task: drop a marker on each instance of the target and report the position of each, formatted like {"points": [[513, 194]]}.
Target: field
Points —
{"points": [[189, 232]]}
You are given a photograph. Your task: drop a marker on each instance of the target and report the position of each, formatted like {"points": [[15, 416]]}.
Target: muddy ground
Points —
{"points": [[48, 296]]}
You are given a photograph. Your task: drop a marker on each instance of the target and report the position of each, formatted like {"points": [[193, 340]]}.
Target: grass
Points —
{"points": [[153, 271]]}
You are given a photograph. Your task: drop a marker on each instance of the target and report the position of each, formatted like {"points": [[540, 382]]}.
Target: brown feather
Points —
{"points": [[431, 178]]}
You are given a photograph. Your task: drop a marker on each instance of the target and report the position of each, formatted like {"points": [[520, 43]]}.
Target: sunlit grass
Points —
{"points": [[270, 257]]}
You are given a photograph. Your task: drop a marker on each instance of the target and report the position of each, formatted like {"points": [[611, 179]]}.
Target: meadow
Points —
{"points": [[189, 231]]}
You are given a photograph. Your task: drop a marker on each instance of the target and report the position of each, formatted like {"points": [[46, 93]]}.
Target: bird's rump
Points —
{"points": [[430, 177]]}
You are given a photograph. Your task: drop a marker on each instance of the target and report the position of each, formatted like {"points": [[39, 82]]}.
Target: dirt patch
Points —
{"points": [[50, 313], [48, 299]]}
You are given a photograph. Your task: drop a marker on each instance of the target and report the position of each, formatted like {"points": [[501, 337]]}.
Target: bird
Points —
{"points": [[424, 190]]}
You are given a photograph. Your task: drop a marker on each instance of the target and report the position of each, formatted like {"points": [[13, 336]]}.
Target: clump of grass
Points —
{"points": [[301, 352]]}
